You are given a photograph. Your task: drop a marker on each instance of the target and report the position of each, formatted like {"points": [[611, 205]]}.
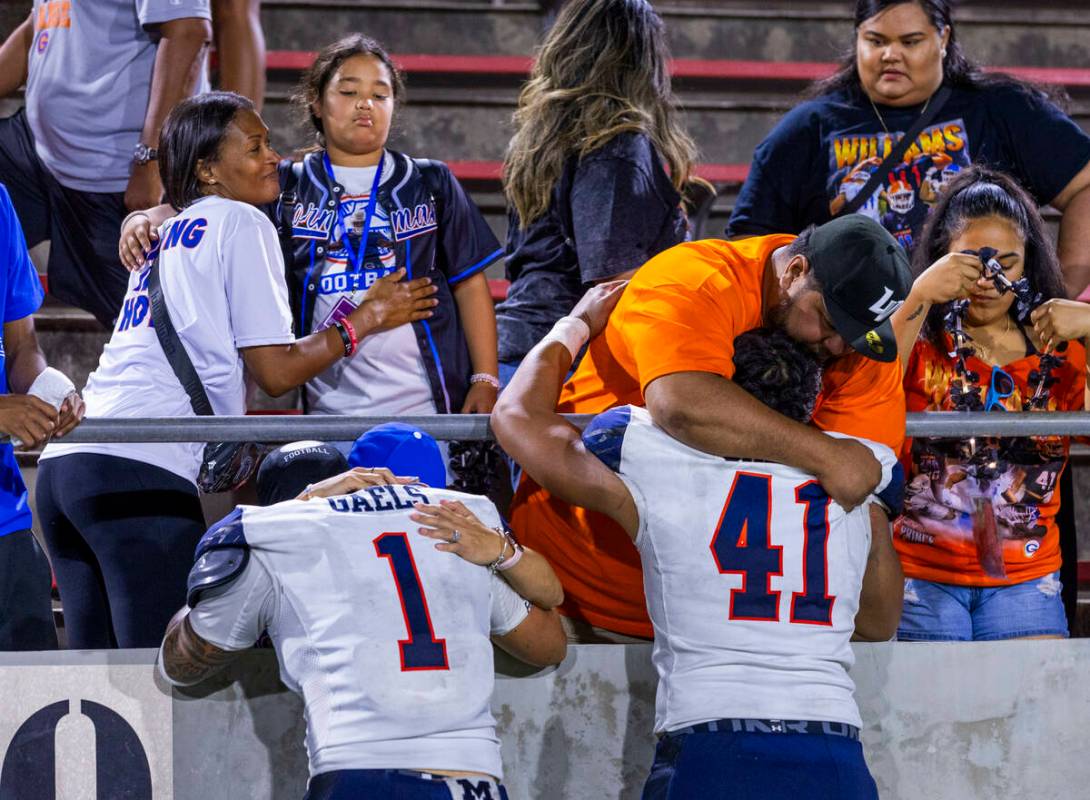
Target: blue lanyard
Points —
{"points": [[356, 257]]}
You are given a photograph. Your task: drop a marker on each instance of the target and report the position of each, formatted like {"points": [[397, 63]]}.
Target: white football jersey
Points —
{"points": [[223, 280], [752, 576], [386, 638]]}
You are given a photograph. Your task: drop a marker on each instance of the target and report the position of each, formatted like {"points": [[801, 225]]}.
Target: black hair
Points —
{"points": [[800, 246], [957, 69], [975, 193], [315, 80], [193, 132], [778, 371]]}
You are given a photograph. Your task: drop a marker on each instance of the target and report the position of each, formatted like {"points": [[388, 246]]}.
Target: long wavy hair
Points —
{"points": [[602, 70], [979, 192], [957, 69]]}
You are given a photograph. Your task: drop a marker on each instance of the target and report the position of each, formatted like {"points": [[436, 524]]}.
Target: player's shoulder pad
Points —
{"points": [[604, 435], [893, 495], [222, 554]]}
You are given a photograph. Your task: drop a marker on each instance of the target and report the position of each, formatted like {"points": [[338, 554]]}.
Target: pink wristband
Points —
{"points": [[506, 565]]}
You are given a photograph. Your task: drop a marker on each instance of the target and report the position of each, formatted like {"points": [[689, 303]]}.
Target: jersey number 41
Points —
{"points": [[742, 546]]}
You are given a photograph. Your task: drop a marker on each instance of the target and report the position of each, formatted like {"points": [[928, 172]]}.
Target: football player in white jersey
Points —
{"points": [[755, 579], [384, 633]]}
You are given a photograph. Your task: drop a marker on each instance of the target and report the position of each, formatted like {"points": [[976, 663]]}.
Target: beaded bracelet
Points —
{"points": [[484, 377], [495, 565]]}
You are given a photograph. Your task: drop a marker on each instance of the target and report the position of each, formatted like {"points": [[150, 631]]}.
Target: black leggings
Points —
{"points": [[121, 536]]}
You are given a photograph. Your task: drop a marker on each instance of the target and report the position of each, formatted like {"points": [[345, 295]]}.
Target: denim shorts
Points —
{"points": [[938, 612]]}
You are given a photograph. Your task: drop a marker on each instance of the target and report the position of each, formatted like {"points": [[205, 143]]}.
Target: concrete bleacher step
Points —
{"points": [[434, 26], [460, 107], [1046, 33], [71, 340]]}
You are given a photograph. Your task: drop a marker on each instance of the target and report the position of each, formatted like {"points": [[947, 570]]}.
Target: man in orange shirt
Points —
{"points": [[669, 346]]}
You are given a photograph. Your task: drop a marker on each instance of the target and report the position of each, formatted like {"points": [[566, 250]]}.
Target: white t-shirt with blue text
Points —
{"points": [[222, 275]]}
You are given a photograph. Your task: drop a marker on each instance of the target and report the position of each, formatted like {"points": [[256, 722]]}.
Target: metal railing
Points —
{"points": [[475, 427]]}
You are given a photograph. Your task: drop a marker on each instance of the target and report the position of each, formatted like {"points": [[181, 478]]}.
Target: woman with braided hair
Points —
{"points": [[978, 539]]}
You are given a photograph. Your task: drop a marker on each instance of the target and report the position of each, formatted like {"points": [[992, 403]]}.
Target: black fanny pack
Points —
{"points": [[224, 465]]}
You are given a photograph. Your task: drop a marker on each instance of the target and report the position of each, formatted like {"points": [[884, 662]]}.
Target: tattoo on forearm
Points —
{"points": [[189, 658], [917, 312]]}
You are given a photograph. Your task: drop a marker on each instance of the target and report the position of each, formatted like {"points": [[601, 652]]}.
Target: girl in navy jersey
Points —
{"points": [[353, 213], [121, 520]]}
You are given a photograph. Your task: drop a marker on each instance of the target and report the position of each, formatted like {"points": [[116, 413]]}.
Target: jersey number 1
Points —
{"points": [[742, 546], [421, 650]]}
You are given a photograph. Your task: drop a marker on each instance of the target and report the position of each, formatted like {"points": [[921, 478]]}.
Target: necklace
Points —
{"points": [[984, 352], [965, 388], [882, 122]]}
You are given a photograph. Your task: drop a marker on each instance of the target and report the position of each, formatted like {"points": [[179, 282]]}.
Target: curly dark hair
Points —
{"points": [[975, 193], [778, 371]]}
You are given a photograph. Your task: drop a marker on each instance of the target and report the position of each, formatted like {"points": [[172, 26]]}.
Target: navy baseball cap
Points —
{"points": [[864, 278], [404, 450], [288, 470]]}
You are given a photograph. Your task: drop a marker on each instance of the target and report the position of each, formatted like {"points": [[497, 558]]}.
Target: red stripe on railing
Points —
{"points": [[703, 69], [493, 171]]}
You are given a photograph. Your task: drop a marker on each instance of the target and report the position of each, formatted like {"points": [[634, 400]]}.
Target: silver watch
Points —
{"points": [[142, 154]]}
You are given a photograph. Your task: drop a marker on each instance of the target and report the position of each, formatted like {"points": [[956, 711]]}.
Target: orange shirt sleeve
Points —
{"points": [[681, 314], [864, 398]]}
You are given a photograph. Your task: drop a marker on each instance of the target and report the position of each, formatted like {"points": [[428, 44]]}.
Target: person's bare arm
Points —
{"points": [[713, 414], [24, 358], [178, 61], [389, 302], [532, 576], [950, 278], [32, 420], [539, 640], [14, 55], [478, 318], [882, 596], [240, 46], [187, 658], [547, 446], [1073, 245], [139, 233]]}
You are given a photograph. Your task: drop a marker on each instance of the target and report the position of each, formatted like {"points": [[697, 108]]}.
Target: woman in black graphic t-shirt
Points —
{"points": [[821, 153]]}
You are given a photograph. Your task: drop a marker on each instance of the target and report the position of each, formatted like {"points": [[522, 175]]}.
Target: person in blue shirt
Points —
{"points": [[26, 613]]}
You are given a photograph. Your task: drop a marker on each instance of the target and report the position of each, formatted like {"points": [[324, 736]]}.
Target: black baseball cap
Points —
{"points": [[288, 470], [864, 278]]}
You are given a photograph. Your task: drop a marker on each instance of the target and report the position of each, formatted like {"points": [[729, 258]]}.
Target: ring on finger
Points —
{"points": [[455, 536]]}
